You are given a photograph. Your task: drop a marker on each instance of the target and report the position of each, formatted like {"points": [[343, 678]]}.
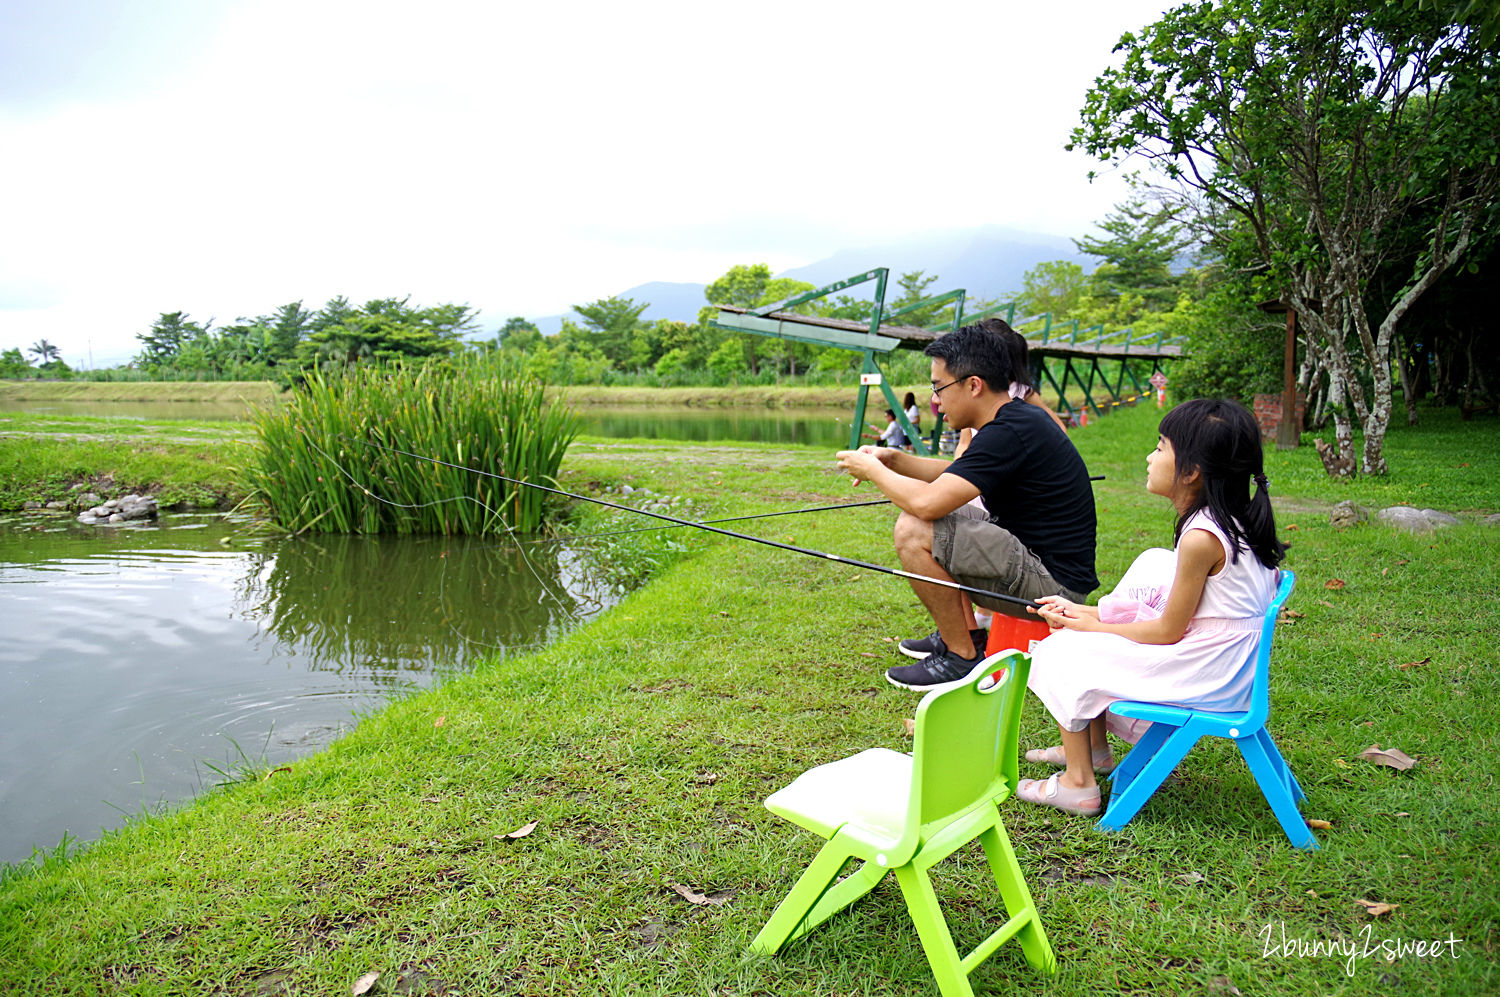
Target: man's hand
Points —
{"points": [[861, 464]]}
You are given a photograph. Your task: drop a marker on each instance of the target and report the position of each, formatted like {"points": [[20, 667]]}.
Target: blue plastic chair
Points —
{"points": [[1175, 729], [903, 814]]}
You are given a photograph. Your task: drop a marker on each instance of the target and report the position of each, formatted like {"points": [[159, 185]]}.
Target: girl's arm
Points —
{"points": [[1199, 554]]}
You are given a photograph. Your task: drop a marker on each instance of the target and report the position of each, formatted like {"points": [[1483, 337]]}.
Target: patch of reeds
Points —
{"points": [[326, 460]]}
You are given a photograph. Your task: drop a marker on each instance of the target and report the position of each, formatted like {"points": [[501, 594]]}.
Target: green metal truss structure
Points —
{"points": [[1096, 363]]}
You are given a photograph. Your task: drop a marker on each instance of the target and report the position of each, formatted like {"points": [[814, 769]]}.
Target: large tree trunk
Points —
{"points": [[1339, 459]]}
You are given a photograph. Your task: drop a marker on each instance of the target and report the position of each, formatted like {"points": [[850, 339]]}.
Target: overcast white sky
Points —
{"points": [[224, 158]]}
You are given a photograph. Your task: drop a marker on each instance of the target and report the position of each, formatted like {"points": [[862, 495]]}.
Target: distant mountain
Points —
{"points": [[988, 262]]}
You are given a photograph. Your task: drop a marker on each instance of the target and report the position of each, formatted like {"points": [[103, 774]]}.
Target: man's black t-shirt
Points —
{"points": [[1034, 484]]}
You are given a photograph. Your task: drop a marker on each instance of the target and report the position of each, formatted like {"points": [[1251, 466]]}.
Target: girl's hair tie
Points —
{"points": [[1260, 479]]}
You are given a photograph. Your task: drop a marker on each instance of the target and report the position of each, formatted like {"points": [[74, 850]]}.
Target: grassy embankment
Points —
{"points": [[263, 392], [642, 746]]}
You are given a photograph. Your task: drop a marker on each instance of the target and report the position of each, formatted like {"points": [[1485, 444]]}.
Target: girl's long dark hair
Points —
{"points": [[1220, 440]]}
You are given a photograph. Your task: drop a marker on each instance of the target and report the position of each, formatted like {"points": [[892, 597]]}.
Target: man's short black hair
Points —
{"points": [[978, 350]]}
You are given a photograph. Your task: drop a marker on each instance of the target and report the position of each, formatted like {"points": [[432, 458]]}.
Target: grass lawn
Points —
{"points": [[642, 746], [177, 460]]}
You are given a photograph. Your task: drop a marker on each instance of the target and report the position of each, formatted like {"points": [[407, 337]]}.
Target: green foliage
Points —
{"points": [[1136, 258], [388, 329], [1056, 286], [1232, 349], [1317, 128], [13, 364], [319, 465]]}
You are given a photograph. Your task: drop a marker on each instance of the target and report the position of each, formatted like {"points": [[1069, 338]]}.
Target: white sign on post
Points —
{"points": [[870, 379]]}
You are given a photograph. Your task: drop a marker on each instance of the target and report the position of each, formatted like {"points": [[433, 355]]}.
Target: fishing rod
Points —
{"points": [[868, 566], [726, 519]]}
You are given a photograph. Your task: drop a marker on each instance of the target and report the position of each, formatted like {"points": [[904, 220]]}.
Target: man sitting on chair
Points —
{"points": [[1038, 537]]}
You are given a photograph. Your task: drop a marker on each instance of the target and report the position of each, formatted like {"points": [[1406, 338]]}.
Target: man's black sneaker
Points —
{"points": [[941, 670], [921, 647]]}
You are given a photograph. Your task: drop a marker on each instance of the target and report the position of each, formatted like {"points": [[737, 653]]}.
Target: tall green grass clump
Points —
{"points": [[319, 465]]}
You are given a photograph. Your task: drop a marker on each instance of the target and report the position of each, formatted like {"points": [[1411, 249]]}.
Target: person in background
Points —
{"points": [[891, 436], [913, 414]]}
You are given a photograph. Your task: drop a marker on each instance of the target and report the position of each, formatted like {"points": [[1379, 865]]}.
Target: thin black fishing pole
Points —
{"points": [[726, 519], [1001, 596]]}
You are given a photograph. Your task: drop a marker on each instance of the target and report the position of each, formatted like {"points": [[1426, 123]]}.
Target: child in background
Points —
{"points": [[1186, 628]]}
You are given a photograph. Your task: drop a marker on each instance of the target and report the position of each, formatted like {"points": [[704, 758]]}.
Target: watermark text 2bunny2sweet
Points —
{"points": [[1362, 945]]}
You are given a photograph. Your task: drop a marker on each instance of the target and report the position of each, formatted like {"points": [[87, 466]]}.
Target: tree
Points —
{"points": [[913, 289], [1137, 256], [1317, 126], [169, 334], [514, 326], [44, 351], [13, 364], [744, 286], [1056, 286], [613, 323], [288, 325], [385, 329]]}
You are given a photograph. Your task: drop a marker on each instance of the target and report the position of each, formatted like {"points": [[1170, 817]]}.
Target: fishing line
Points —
{"points": [[868, 566]]}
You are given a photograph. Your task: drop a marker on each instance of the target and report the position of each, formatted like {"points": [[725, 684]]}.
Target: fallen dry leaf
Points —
{"points": [[1312, 893], [869, 654], [1319, 825], [282, 768], [440, 721], [1325, 602], [1334, 583], [1292, 526], [1391, 757], [1384, 572], [692, 896], [1222, 983], [1415, 664], [706, 778], [1341, 763], [1191, 878], [1292, 614], [911, 727], [1376, 909], [522, 831], [1400, 813], [364, 983]]}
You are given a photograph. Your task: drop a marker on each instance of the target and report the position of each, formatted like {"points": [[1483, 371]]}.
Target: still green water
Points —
{"points": [[827, 427], [134, 660]]}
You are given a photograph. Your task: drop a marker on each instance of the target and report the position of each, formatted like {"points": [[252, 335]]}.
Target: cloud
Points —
{"points": [[517, 158]]}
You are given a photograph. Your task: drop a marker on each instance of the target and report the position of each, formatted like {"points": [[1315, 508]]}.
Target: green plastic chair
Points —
{"points": [[905, 813]]}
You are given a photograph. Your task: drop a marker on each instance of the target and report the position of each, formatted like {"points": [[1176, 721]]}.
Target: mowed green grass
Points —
{"points": [[642, 746]]}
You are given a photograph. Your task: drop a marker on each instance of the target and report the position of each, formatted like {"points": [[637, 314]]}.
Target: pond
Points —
{"points": [[137, 662]]}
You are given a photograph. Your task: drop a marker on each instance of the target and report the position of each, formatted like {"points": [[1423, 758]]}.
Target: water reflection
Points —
{"points": [[416, 603], [828, 427], [132, 656]]}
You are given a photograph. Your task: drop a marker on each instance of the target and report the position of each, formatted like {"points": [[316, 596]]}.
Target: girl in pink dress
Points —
{"points": [[1183, 626]]}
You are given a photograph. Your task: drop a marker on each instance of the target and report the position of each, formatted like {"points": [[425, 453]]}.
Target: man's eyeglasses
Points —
{"points": [[937, 389]]}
